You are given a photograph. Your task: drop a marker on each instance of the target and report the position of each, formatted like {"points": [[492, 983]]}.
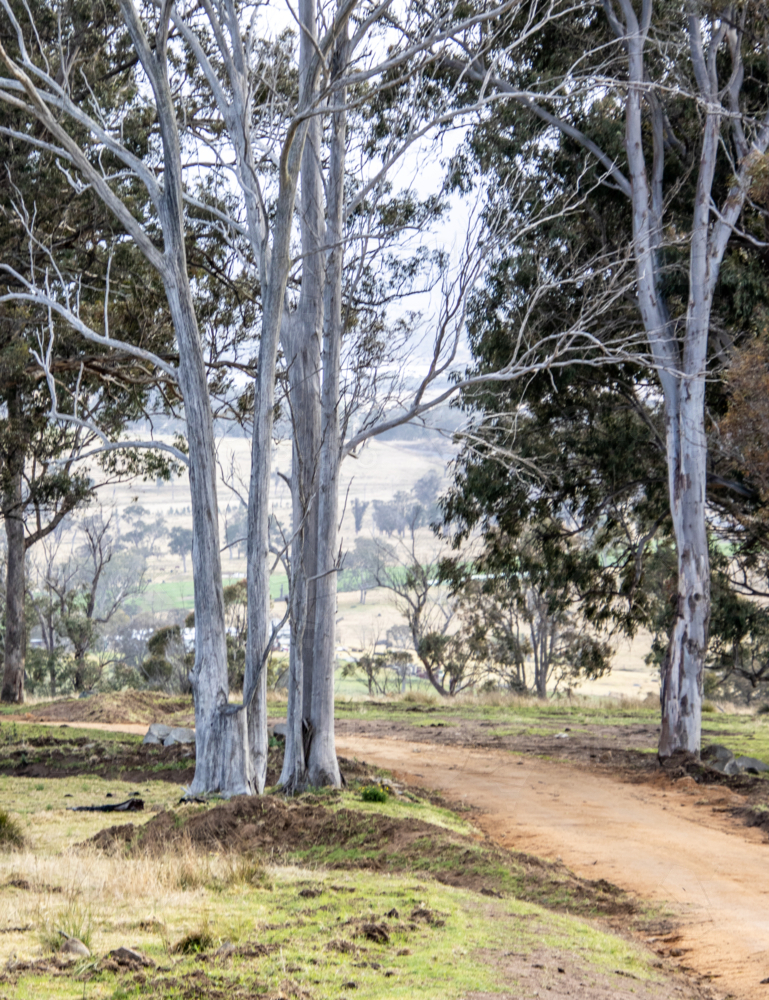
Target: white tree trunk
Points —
{"points": [[222, 759], [323, 767], [301, 350], [682, 671]]}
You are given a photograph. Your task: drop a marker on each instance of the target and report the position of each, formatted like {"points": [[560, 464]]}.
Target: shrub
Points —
{"points": [[374, 793]]}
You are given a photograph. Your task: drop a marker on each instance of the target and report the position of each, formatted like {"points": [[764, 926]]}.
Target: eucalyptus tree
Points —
{"points": [[91, 144], [39, 459], [689, 86], [270, 100]]}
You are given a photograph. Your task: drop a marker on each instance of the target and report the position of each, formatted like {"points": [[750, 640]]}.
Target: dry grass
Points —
{"points": [[108, 901], [11, 835]]}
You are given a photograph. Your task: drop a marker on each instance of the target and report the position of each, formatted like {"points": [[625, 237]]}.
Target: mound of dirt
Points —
{"points": [[117, 707], [306, 831], [60, 756]]}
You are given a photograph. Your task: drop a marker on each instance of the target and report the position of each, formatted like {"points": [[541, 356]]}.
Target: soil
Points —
{"points": [[307, 830], [709, 873], [60, 756], [562, 976], [610, 749], [138, 707], [595, 808]]}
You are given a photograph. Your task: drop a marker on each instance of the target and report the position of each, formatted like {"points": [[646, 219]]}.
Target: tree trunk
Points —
{"points": [[683, 667], [222, 761], [322, 766], [301, 348], [682, 377], [15, 633], [294, 773]]}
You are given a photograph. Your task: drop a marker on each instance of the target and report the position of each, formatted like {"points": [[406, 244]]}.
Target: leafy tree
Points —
{"points": [[180, 543], [360, 566], [167, 665], [359, 508], [73, 600], [586, 453]]}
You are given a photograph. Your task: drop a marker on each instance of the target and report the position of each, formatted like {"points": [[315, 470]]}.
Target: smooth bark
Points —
{"points": [[301, 342], [15, 631], [323, 767]]}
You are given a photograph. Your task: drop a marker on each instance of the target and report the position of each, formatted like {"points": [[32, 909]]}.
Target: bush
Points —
{"points": [[10, 832], [374, 793]]}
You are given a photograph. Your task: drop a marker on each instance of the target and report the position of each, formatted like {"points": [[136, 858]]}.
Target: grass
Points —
{"points": [[382, 915], [73, 921], [512, 715], [315, 942], [11, 834]]}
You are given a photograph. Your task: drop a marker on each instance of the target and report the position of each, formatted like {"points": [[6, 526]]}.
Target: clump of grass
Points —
{"points": [[244, 870], [196, 941], [186, 869], [374, 793], [75, 921], [416, 697], [11, 835]]}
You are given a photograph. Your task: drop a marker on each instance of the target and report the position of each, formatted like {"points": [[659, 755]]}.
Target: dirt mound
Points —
{"points": [[309, 832], [120, 706], [61, 756]]}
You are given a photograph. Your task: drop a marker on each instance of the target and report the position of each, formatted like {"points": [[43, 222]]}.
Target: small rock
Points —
{"points": [[280, 729], [128, 956], [156, 733], [74, 946], [179, 735], [752, 764], [718, 757]]}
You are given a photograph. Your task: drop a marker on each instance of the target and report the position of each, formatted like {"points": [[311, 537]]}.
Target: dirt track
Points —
{"points": [[671, 843], [665, 843]]}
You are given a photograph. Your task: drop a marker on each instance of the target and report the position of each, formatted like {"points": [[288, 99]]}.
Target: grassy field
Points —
{"points": [[324, 896]]}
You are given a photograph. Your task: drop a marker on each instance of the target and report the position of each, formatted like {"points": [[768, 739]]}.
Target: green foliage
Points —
{"points": [[166, 666], [374, 793]]}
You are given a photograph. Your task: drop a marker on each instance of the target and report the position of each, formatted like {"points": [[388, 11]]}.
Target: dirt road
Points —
{"points": [[665, 843], [672, 843]]}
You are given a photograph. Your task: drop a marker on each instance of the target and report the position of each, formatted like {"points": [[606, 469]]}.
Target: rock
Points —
{"points": [[73, 946], [720, 758], [159, 732], [280, 729], [127, 956], [156, 733], [179, 735], [752, 764], [731, 768]]}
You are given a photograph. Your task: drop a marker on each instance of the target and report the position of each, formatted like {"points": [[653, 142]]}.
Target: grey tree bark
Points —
{"points": [[300, 339], [15, 631], [323, 767]]}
